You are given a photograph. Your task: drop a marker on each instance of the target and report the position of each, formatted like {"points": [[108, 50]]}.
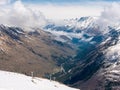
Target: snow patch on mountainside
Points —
{"points": [[14, 81], [112, 58], [113, 52]]}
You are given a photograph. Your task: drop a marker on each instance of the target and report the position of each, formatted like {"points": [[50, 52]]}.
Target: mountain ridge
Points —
{"points": [[31, 51], [99, 62]]}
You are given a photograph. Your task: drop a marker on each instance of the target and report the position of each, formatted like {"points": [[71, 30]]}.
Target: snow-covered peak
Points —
{"points": [[78, 23], [83, 22], [73, 28], [14, 81]]}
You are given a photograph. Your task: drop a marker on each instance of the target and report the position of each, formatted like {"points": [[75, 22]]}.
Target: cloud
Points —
{"points": [[24, 15], [67, 11], [31, 15], [110, 16], [20, 15], [3, 2]]}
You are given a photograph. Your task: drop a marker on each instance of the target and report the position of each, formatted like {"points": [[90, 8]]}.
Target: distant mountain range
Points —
{"points": [[77, 52], [25, 51]]}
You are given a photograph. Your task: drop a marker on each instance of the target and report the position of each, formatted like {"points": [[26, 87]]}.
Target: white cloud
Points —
{"points": [[2, 2], [21, 16], [24, 15], [110, 16], [68, 11]]}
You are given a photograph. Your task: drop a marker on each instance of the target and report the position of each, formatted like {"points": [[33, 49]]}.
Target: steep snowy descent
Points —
{"points": [[14, 81]]}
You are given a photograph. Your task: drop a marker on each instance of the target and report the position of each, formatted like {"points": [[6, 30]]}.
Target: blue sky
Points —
{"points": [[56, 1], [67, 1]]}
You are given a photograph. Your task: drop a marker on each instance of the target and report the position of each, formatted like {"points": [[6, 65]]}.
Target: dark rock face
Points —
{"points": [[13, 32]]}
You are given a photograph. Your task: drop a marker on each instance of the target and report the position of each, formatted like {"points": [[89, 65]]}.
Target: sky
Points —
{"points": [[65, 9], [37, 12], [66, 1]]}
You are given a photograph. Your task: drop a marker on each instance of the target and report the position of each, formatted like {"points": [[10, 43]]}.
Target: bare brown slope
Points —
{"points": [[28, 52]]}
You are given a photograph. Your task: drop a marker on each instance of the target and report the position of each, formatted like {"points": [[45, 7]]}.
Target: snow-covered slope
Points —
{"points": [[14, 81]]}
